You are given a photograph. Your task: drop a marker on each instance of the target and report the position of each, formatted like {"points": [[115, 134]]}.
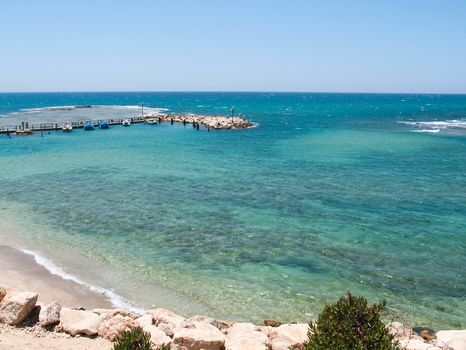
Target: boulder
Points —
{"points": [[2, 293], [288, 335], [109, 313], [80, 321], [221, 325], [454, 339], [15, 307], [204, 319], [201, 336], [245, 336], [49, 314], [113, 327], [158, 337], [417, 343], [272, 323], [457, 344], [144, 321], [166, 320], [399, 330]]}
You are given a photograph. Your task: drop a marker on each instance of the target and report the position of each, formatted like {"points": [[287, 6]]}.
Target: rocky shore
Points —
{"points": [[21, 314]]}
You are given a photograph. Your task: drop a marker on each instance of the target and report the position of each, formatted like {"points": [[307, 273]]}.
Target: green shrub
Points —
{"points": [[135, 339], [350, 324]]}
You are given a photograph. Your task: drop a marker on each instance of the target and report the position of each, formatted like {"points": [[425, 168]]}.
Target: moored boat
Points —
{"points": [[88, 126], [103, 124], [67, 127], [126, 122], [24, 132]]}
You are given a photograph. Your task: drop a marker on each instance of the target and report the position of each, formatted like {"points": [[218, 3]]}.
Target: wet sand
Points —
{"points": [[19, 270]]}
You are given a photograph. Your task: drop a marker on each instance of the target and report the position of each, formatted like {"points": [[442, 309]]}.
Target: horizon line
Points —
{"points": [[233, 91]]}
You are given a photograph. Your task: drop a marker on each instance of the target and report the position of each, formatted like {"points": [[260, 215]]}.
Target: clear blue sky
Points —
{"points": [[237, 45]]}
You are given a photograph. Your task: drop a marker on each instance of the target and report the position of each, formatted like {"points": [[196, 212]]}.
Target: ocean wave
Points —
{"points": [[74, 107], [116, 300], [52, 108], [436, 125], [432, 131]]}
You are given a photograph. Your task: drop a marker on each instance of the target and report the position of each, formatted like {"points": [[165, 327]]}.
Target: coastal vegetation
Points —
{"points": [[350, 324], [134, 339]]}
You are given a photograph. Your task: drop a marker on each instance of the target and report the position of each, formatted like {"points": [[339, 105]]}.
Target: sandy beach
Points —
{"points": [[20, 271]]}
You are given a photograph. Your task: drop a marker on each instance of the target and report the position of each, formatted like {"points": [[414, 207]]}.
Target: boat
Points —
{"points": [[126, 122], [151, 121], [88, 126], [24, 132], [67, 127], [103, 124]]}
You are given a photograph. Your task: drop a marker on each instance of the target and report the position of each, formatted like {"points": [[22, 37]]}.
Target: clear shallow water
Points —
{"points": [[330, 193]]}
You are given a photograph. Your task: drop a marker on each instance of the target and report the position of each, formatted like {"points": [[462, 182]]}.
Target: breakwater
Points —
{"points": [[197, 121]]}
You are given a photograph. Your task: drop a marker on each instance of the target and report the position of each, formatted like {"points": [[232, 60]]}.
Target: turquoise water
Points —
{"points": [[329, 193]]}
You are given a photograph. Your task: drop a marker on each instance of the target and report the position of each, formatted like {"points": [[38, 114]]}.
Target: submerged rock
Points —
{"points": [[15, 307], [49, 314]]}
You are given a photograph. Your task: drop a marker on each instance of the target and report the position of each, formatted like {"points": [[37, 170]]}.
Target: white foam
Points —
{"points": [[432, 131], [116, 300], [436, 125]]}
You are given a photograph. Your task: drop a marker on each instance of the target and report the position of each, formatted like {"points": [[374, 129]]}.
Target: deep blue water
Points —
{"points": [[329, 193]]}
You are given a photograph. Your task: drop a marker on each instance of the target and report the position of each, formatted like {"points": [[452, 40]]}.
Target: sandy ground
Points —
{"points": [[20, 271], [14, 339]]}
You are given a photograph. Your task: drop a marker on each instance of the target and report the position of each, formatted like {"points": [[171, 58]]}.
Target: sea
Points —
{"points": [[327, 193]]}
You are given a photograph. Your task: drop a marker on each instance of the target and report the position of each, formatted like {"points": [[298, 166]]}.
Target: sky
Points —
{"points": [[416, 46]]}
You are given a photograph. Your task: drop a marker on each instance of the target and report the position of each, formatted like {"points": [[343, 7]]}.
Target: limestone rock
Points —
{"points": [[158, 337], [454, 339], [417, 343], [2, 293], [144, 321], [245, 336], [16, 307], [201, 336], [113, 327], [288, 335], [166, 320], [457, 344], [80, 321], [203, 319], [399, 330], [109, 313], [49, 314], [272, 323]]}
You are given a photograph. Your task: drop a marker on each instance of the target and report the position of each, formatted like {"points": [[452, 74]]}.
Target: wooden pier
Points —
{"points": [[26, 128]]}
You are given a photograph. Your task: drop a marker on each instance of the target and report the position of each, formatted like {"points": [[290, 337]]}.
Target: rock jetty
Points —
{"points": [[207, 121], [20, 309]]}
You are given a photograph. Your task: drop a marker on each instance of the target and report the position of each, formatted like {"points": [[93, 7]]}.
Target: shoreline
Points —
{"points": [[21, 270], [24, 271]]}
